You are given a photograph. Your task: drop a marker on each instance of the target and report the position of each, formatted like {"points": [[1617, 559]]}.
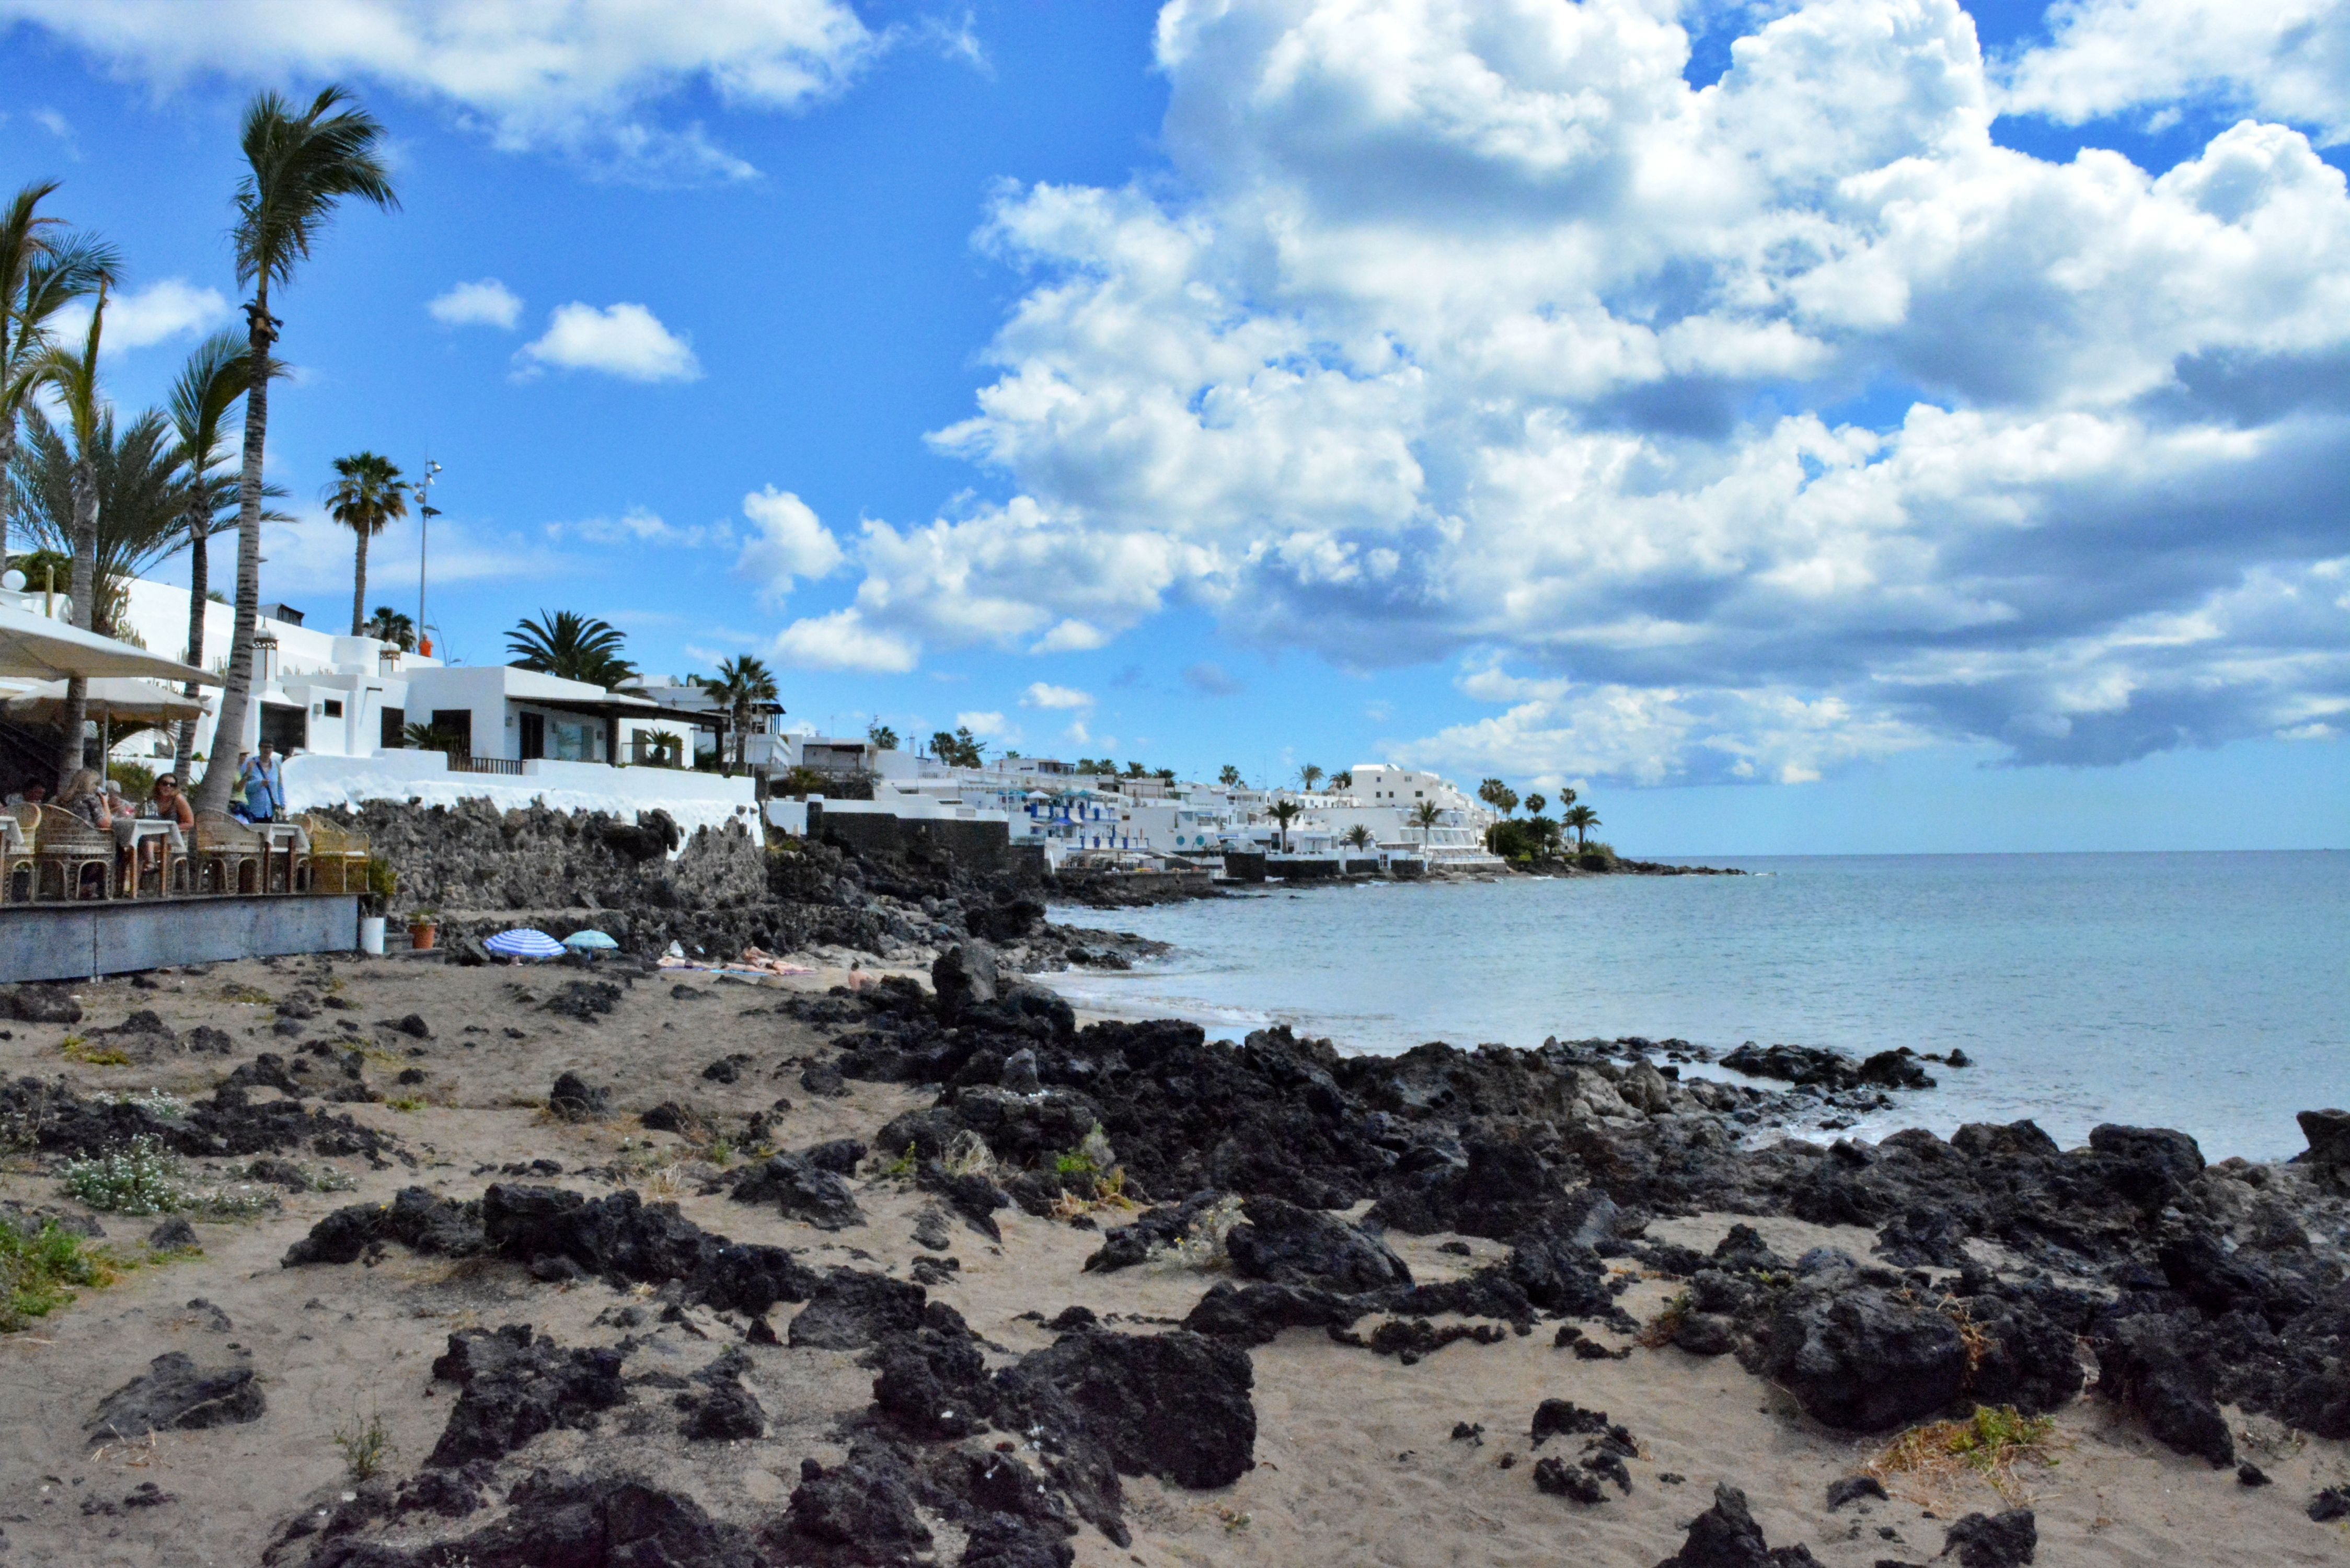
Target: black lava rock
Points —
{"points": [[175, 1395], [573, 1101], [800, 1191], [1294, 1246], [1726, 1536], [517, 1386], [1994, 1541], [1862, 1358]]}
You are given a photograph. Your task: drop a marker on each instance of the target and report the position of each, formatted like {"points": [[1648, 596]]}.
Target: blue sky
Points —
{"points": [[1801, 446]]}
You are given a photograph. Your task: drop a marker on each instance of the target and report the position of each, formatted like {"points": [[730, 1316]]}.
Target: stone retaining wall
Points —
{"points": [[474, 856]]}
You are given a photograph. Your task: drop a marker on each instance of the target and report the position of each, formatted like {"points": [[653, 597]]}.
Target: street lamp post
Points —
{"points": [[425, 513]]}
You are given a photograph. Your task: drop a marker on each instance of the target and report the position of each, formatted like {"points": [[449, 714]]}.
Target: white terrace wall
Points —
{"points": [[693, 800]]}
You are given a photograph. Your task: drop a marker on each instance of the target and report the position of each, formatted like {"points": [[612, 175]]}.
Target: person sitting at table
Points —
{"points": [[171, 804], [168, 805], [33, 793], [83, 797]]}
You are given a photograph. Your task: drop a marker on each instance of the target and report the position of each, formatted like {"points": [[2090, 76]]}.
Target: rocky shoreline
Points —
{"points": [[612, 1265]]}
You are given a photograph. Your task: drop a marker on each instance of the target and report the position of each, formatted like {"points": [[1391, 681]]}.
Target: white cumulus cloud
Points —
{"points": [[842, 640], [1043, 694], [488, 303], [583, 75], [990, 726], [1477, 334], [2282, 59], [790, 543], [142, 317], [624, 340]]}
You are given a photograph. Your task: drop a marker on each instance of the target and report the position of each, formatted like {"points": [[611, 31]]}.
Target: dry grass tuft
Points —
{"points": [[1659, 1330], [1927, 1464]]}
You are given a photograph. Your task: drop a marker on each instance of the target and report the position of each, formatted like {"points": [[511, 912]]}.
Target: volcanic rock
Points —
{"points": [[800, 1191], [1994, 1541], [1294, 1246], [175, 1395], [517, 1386]]}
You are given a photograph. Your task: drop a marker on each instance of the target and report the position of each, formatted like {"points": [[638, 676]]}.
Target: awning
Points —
{"points": [[35, 647], [614, 707], [117, 698]]}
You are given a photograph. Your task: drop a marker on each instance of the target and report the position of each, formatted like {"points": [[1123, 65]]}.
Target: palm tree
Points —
{"points": [[882, 736], [147, 503], [215, 376], [1360, 837], [41, 270], [1286, 812], [365, 499], [573, 646], [1581, 818], [1309, 776], [1498, 796], [299, 166], [1425, 817], [1230, 777], [741, 684], [1535, 803], [1343, 782], [74, 378], [387, 625]]}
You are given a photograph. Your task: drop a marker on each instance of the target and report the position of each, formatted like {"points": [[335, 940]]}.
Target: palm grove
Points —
{"points": [[109, 498], [101, 499], [1537, 836]]}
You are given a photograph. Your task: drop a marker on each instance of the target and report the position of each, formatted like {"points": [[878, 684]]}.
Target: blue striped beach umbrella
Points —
{"points": [[522, 942]]}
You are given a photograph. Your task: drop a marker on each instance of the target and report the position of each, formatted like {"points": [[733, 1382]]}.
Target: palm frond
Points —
{"points": [[297, 167]]}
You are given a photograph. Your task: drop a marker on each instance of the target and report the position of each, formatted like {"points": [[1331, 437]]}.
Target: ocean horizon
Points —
{"points": [[2202, 990]]}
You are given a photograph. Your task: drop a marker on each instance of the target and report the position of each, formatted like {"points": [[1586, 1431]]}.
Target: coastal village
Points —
{"points": [[728, 1186], [361, 718]]}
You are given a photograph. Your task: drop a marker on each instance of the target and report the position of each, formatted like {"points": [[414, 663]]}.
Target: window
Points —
{"points": [[572, 739], [457, 722], [333, 707]]}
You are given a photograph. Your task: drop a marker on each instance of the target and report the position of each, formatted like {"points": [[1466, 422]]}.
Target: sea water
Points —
{"points": [[2207, 991]]}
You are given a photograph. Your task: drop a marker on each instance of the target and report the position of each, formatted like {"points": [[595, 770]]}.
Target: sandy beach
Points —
{"points": [[1356, 1457]]}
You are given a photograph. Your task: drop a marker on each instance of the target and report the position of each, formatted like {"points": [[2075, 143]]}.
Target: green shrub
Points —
{"points": [[367, 1450], [38, 1271], [147, 1179]]}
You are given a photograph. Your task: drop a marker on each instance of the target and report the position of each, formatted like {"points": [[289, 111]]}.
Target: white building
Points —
{"points": [[337, 708]]}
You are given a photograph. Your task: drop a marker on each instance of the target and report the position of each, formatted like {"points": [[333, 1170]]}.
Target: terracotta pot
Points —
{"points": [[422, 938]]}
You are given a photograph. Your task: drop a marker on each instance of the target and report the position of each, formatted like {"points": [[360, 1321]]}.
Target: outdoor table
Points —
{"points": [[132, 833], [281, 842]]}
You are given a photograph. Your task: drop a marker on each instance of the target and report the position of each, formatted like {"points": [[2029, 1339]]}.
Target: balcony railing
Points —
{"points": [[460, 764]]}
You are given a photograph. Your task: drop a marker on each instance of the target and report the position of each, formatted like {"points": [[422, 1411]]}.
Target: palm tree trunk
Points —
{"points": [[200, 574], [236, 695], [358, 587], [84, 597], [7, 490]]}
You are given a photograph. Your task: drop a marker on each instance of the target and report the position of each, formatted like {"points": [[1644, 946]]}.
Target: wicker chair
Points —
{"points": [[71, 858], [19, 870], [339, 857], [228, 855]]}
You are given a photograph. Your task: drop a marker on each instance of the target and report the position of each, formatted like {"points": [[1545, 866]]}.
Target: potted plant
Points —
{"points": [[383, 883], [424, 929]]}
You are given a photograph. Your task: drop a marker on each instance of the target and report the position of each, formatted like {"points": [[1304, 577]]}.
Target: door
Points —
{"points": [[534, 736], [286, 727], [395, 729]]}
